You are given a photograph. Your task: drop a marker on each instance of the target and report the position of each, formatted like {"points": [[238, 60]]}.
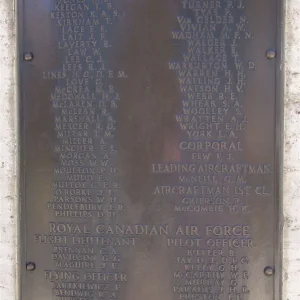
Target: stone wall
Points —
{"points": [[291, 188], [9, 210], [8, 154]]}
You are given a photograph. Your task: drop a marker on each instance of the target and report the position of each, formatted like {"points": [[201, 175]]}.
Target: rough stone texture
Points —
{"points": [[8, 154], [291, 203]]}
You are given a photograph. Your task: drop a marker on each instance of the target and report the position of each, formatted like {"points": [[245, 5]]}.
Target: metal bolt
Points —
{"points": [[28, 56], [30, 266], [271, 54], [269, 271]]}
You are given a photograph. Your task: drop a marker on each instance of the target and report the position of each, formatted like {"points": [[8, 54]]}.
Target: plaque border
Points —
{"points": [[279, 147], [21, 268]]}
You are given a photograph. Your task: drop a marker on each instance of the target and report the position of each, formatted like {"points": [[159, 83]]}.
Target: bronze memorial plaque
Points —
{"points": [[150, 149]]}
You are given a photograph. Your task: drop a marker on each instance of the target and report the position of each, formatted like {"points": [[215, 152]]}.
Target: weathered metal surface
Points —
{"points": [[149, 149]]}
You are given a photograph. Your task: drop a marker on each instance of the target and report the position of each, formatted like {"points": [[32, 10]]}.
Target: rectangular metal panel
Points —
{"points": [[150, 149]]}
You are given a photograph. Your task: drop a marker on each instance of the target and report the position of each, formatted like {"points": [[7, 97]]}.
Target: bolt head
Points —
{"points": [[28, 56], [269, 271], [271, 54], [30, 266]]}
